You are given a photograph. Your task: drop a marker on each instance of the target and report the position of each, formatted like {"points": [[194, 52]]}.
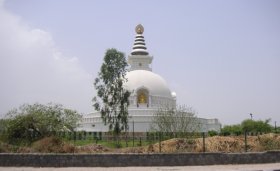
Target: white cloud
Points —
{"points": [[32, 69]]}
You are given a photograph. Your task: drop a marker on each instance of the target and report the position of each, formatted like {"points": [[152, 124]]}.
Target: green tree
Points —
{"points": [[256, 126], [231, 130], [3, 125], [32, 122], [212, 133], [112, 98], [175, 121]]}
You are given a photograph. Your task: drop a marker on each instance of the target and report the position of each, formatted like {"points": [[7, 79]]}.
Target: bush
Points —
{"points": [[29, 123], [253, 126], [231, 130], [212, 133]]}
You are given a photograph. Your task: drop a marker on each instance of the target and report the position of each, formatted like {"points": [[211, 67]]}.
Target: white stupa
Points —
{"points": [[149, 93]]}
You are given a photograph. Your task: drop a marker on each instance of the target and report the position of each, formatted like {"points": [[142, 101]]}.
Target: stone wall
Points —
{"points": [[112, 160]]}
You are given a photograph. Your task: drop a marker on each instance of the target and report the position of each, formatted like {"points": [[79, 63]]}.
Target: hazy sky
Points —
{"points": [[221, 57]]}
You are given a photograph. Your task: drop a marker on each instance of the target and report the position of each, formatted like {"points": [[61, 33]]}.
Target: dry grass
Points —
{"points": [[221, 144], [52, 145], [269, 142], [230, 144], [4, 148]]}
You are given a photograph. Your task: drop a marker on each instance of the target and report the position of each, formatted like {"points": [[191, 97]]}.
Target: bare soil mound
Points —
{"points": [[52, 145], [92, 148], [229, 144]]}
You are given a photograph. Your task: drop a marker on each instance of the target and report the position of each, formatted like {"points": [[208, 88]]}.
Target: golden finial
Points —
{"points": [[139, 29]]}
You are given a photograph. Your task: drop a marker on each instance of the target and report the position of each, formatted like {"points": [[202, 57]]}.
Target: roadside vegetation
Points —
{"points": [[50, 128], [250, 126], [228, 144]]}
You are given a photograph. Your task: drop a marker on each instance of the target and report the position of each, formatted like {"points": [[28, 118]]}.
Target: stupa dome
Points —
{"points": [[154, 83]]}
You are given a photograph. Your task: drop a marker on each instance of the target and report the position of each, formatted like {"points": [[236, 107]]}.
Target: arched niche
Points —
{"points": [[142, 97]]}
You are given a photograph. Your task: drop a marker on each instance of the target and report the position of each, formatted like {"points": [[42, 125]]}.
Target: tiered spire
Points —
{"points": [[139, 58], [139, 47]]}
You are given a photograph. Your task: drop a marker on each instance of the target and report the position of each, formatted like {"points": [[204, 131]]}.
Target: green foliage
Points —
{"points": [[231, 130], [179, 120], [32, 122], [3, 125], [112, 99], [212, 133], [277, 130], [247, 125], [256, 126]]}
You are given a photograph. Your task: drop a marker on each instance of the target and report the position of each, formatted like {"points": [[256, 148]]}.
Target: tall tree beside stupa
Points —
{"points": [[112, 99]]}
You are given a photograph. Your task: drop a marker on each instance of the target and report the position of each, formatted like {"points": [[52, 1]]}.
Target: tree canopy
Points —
{"points": [[232, 130], [32, 122], [112, 98], [248, 125]]}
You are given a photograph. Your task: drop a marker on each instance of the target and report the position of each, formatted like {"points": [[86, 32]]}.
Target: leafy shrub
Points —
{"points": [[253, 126], [29, 123], [212, 133], [231, 130]]}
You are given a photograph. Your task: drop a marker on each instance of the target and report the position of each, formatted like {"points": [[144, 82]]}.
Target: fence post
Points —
{"points": [[275, 127], [74, 136], [133, 133], [245, 134], [159, 144], [69, 136], [203, 142], [100, 136]]}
